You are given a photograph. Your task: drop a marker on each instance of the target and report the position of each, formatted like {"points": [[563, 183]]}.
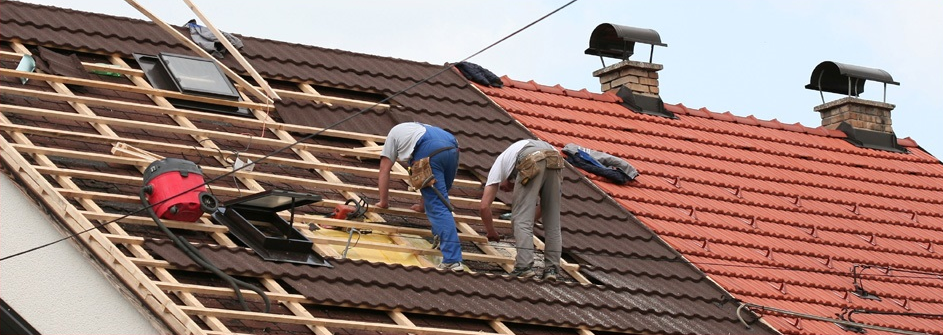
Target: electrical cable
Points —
{"points": [[198, 258], [307, 137]]}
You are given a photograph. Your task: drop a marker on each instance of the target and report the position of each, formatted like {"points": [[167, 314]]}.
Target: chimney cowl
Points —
{"points": [[847, 79], [615, 41]]}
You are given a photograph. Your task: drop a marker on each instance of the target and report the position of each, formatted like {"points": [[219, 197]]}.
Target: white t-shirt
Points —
{"points": [[504, 164], [401, 140]]}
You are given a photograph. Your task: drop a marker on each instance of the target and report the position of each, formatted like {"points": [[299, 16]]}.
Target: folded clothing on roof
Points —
{"points": [[478, 74], [602, 164], [205, 38]]}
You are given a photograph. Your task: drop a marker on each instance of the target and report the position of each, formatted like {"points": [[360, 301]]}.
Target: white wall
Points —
{"points": [[57, 289]]}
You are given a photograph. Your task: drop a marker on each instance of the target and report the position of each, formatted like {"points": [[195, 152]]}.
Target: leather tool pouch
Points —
{"points": [[420, 174], [527, 166], [554, 160]]}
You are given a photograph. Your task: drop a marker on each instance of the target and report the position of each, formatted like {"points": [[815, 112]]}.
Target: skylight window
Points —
{"points": [[193, 76], [197, 75]]}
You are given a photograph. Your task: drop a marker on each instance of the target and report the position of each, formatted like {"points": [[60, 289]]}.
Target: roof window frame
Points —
{"points": [[166, 70]]}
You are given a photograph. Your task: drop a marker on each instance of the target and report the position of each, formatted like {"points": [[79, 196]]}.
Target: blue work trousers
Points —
{"points": [[444, 167]]}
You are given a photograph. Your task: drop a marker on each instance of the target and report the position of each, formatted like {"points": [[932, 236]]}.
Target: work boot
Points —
{"points": [[550, 274], [457, 266], [523, 272]]}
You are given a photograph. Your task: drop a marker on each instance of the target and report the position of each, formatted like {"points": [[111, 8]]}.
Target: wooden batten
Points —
{"points": [[126, 263]]}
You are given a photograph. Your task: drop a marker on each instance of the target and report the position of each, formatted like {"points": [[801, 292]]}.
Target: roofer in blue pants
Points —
{"points": [[411, 142], [531, 169]]}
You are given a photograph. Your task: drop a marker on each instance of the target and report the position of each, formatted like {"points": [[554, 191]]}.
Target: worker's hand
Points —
{"points": [[493, 236], [382, 204], [418, 208]]}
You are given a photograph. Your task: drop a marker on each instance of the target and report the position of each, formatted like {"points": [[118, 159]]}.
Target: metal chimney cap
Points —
{"points": [[848, 79], [615, 41]]}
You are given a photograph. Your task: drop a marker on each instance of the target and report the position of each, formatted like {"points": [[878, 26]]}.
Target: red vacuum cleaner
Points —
{"points": [[175, 188]]}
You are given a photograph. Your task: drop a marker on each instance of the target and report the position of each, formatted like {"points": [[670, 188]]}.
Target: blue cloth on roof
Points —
{"points": [[613, 168]]}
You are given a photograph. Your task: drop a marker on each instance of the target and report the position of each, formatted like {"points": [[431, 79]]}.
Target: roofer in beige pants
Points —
{"points": [[535, 169]]}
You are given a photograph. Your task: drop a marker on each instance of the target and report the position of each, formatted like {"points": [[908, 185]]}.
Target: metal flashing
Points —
{"points": [[13, 323], [644, 104], [871, 139]]}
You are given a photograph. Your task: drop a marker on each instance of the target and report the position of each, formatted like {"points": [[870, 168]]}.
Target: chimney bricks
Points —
{"points": [[640, 77], [859, 113]]}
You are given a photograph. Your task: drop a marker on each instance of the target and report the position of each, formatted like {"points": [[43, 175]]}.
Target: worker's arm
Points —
{"points": [[383, 181], [484, 210]]}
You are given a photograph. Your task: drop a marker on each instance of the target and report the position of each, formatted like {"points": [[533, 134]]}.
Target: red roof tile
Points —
{"points": [[775, 213]]}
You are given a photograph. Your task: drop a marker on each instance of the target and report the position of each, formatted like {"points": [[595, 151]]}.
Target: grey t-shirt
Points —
{"points": [[401, 140]]}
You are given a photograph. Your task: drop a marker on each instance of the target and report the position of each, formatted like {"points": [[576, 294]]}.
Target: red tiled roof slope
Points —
{"points": [[778, 214]]}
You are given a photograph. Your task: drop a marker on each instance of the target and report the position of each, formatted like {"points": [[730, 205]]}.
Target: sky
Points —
{"points": [[748, 57]]}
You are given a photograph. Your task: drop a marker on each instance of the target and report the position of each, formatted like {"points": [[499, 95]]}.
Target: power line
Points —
{"points": [[308, 137]]}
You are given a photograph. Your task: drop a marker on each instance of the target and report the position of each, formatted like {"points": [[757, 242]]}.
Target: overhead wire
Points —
{"points": [[305, 138]]}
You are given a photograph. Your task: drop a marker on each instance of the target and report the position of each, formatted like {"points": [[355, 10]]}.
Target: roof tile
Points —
{"points": [[776, 213]]}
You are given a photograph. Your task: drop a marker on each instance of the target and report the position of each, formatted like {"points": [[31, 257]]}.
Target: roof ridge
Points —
{"points": [[173, 43], [706, 113]]}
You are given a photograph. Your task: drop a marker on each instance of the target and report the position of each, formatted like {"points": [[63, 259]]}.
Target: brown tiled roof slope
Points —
{"points": [[778, 214], [641, 285]]}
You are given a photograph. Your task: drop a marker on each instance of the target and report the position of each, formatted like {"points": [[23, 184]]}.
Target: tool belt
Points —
{"points": [[527, 165], [420, 173]]}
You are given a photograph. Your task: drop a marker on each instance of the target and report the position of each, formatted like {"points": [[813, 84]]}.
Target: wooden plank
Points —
{"points": [[233, 51], [156, 127], [409, 249], [147, 221], [228, 292], [306, 95], [120, 265], [134, 89], [377, 227], [331, 100], [355, 325], [197, 49]]}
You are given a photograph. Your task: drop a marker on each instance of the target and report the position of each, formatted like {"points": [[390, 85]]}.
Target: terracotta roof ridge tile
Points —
{"points": [[557, 89]]}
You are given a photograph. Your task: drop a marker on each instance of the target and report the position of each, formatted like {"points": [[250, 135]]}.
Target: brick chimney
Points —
{"points": [[849, 80], [639, 77], [859, 113]]}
